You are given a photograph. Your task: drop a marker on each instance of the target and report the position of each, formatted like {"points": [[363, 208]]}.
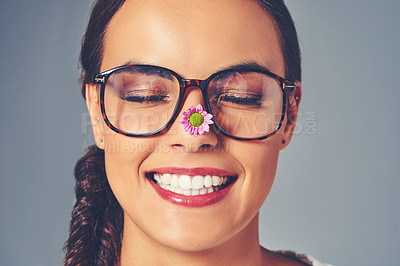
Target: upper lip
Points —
{"points": [[192, 171]]}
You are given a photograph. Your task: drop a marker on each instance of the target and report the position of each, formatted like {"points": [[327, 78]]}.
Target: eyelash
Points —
{"points": [[141, 99], [239, 100]]}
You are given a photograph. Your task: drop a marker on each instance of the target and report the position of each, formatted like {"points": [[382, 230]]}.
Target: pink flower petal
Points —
{"points": [[209, 122], [201, 129], [206, 127], [199, 108], [193, 131]]}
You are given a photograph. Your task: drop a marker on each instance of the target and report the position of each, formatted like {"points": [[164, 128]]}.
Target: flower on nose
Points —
{"points": [[196, 121]]}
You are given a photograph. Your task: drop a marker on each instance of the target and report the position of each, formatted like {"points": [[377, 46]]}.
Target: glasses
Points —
{"points": [[248, 102]]}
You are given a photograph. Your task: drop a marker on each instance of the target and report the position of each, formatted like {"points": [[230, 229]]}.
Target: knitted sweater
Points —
{"points": [[306, 259]]}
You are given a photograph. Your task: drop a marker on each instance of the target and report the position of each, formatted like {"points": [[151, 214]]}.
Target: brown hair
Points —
{"points": [[97, 218]]}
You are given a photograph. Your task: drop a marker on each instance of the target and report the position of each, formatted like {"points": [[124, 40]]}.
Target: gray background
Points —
{"points": [[336, 192]]}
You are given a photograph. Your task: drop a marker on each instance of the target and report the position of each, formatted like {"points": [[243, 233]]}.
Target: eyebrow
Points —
{"points": [[163, 74], [132, 62], [250, 65]]}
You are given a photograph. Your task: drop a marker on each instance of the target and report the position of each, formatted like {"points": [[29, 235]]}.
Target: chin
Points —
{"points": [[193, 241]]}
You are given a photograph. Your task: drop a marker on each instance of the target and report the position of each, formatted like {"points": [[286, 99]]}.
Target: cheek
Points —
{"points": [[123, 156], [259, 161]]}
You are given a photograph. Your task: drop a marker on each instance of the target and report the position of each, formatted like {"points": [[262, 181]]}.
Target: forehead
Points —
{"points": [[194, 38]]}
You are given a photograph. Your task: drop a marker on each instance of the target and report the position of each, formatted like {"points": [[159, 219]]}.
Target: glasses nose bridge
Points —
{"points": [[186, 83], [192, 84]]}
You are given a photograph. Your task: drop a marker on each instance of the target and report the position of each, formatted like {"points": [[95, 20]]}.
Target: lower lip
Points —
{"points": [[192, 201]]}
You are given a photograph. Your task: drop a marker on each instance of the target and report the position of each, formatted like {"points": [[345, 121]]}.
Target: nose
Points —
{"points": [[180, 139]]}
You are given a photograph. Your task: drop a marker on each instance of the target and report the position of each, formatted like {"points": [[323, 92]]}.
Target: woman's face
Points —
{"points": [[194, 39]]}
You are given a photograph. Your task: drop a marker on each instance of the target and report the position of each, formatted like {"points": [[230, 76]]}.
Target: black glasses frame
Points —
{"points": [[286, 86]]}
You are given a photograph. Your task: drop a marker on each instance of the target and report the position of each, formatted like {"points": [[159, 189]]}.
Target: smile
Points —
{"points": [[194, 187]]}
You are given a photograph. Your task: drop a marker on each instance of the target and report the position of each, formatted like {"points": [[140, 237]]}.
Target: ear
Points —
{"points": [[294, 99], [93, 104]]}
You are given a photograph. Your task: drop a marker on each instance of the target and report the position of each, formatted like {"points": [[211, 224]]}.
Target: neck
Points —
{"points": [[139, 249]]}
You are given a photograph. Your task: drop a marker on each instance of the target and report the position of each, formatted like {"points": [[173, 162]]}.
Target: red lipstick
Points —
{"points": [[193, 171], [198, 200]]}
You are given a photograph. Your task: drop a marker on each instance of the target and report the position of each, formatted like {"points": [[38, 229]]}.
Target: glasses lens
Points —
{"points": [[245, 104], [140, 100]]}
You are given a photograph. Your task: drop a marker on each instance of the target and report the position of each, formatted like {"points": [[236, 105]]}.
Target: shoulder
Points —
{"points": [[291, 258]]}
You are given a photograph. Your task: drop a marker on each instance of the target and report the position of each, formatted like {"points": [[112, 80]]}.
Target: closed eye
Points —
{"points": [[240, 100], [149, 98]]}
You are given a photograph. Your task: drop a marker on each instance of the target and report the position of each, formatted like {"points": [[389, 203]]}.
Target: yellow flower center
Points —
{"points": [[196, 119]]}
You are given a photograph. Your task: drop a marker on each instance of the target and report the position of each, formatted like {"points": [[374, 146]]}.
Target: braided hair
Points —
{"points": [[97, 218]]}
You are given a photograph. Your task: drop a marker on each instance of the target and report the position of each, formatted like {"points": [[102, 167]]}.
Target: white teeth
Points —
{"points": [[187, 192], [215, 180], [185, 182], [190, 186], [166, 179], [175, 181], [203, 191], [207, 181], [197, 182], [157, 178]]}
